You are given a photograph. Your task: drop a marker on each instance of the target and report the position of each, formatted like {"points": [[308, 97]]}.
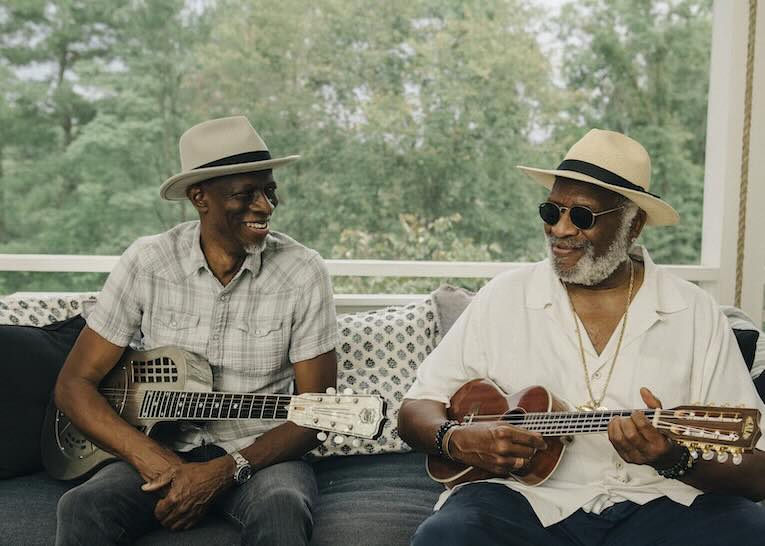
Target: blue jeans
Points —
{"points": [[272, 508], [492, 514]]}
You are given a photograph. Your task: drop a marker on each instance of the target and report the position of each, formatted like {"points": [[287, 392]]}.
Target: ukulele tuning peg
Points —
{"points": [[722, 456], [322, 436], [348, 392], [357, 443], [708, 455], [694, 453], [338, 439], [331, 390], [737, 458]]}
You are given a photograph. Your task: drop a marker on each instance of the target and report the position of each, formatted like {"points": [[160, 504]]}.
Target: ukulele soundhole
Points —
{"points": [[157, 370]]}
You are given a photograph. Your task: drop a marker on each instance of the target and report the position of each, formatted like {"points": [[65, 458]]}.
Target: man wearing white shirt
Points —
{"points": [[601, 327]]}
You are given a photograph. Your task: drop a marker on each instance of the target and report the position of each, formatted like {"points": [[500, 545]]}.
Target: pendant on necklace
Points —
{"points": [[590, 406]]}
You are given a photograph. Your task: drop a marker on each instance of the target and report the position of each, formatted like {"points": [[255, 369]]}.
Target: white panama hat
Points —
{"points": [[615, 162], [216, 148]]}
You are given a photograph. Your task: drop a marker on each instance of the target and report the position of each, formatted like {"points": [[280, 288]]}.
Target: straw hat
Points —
{"points": [[615, 162], [216, 148]]}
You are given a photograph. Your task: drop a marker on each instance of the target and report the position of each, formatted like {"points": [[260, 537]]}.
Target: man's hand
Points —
{"points": [[637, 441], [497, 447], [189, 489]]}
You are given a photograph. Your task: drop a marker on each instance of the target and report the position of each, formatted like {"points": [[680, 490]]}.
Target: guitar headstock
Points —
{"points": [[349, 414], [713, 431]]}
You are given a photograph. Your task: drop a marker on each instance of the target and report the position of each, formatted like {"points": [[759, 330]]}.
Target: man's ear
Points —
{"points": [[198, 197], [637, 224]]}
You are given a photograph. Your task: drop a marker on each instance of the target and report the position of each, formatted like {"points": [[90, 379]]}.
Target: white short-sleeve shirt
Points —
{"points": [[519, 331]]}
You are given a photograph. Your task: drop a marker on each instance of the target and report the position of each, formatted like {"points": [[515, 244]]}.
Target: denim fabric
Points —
{"points": [[492, 514], [273, 508]]}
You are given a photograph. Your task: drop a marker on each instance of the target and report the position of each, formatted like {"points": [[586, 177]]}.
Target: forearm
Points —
{"points": [[285, 442], [746, 479], [418, 422], [93, 416]]}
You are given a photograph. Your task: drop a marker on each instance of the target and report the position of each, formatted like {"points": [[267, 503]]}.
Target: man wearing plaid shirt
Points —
{"points": [[257, 306]]}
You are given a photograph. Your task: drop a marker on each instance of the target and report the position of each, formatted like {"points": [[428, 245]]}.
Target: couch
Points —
{"points": [[375, 494]]}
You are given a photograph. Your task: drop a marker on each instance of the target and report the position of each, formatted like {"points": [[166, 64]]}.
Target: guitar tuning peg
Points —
{"points": [[322, 436], [694, 453], [737, 458], [722, 456], [338, 439], [357, 443], [331, 390], [348, 392], [708, 455]]}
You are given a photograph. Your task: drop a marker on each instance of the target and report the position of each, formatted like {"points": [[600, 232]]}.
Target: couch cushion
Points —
{"points": [[450, 301], [31, 360], [380, 351], [41, 309], [28, 516], [374, 501]]}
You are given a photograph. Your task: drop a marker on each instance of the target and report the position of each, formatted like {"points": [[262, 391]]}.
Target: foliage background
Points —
{"points": [[410, 116]]}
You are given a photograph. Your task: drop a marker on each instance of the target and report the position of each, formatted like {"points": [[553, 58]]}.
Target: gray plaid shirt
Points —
{"points": [[277, 310]]}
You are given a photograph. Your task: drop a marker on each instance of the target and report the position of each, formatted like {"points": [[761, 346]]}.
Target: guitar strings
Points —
{"points": [[268, 403]]}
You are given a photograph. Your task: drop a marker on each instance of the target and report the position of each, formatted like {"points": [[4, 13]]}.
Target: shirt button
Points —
{"points": [[216, 336], [619, 464], [223, 298], [173, 323], [258, 331]]}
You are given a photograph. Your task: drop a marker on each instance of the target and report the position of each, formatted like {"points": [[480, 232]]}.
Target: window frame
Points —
{"points": [[722, 174]]}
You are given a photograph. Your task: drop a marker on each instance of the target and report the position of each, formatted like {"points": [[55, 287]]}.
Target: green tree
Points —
{"points": [[642, 68]]}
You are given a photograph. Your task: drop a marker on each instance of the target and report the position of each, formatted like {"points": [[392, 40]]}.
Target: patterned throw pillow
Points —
{"points": [[379, 351], [31, 310]]}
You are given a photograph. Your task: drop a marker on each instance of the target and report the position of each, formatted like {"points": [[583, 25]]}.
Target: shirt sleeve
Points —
{"points": [[459, 358], [314, 324], [117, 314], [726, 381]]}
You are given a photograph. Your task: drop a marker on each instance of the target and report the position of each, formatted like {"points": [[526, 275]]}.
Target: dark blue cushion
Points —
{"points": [[31, 360], [374, 500]]}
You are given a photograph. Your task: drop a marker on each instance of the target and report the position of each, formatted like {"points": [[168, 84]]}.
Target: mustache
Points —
{"points": [[567, 242]]}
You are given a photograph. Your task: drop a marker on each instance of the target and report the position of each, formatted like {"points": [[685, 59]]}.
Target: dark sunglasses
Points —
{"points": [[580, 216]]}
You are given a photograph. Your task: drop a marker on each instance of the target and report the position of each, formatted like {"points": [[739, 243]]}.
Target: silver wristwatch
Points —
{"points": [[243, 471]]}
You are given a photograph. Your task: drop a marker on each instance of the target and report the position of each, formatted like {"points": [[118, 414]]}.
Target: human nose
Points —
{"points": [[564, 227], [262, 202]]}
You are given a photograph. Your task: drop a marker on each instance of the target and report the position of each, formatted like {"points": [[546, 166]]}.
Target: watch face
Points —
{"points": [[243, 474]]}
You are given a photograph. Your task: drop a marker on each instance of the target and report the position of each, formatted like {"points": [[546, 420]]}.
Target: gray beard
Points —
{"points": [[590, 270]]}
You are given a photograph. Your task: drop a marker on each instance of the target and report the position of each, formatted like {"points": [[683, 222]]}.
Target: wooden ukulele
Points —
{"points": [[169, 384], [706, 429]]}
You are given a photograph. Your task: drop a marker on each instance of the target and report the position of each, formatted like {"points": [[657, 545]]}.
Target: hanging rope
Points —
{"points": [[744, 189]]}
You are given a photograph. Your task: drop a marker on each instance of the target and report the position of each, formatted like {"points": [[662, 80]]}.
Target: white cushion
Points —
{"points": [[379, 351]]}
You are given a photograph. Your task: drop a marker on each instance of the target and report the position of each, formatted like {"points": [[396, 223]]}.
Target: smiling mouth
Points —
{"points": [[564, 251], [260, 224]]}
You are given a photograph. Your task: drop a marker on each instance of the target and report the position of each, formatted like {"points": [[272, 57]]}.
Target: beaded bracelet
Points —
{"points": [[680, 468], [440, 433]]}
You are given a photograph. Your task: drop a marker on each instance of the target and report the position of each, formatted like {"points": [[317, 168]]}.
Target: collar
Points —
{"points": [[656, 293], [195, 260]]}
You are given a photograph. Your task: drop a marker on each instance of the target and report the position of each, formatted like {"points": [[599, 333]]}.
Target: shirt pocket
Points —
{"points": [[174, 327], [264, 342]]}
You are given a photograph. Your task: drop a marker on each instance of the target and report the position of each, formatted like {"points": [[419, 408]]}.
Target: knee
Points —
{"points": [[438, 531], [75, 503], [286, 501]]}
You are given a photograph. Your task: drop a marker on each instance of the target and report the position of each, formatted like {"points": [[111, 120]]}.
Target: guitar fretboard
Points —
{"points": [[217, 406], [574, 422]]}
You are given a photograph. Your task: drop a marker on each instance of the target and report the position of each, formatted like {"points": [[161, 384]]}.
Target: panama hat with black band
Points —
{"points": [[217, 148], [615, 162]]}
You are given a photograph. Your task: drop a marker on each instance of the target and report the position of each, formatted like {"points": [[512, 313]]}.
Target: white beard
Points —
{"points": [[589, 270]]}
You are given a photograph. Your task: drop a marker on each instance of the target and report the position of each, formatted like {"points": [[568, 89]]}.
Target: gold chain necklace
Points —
{"points": [[594, 405]]}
